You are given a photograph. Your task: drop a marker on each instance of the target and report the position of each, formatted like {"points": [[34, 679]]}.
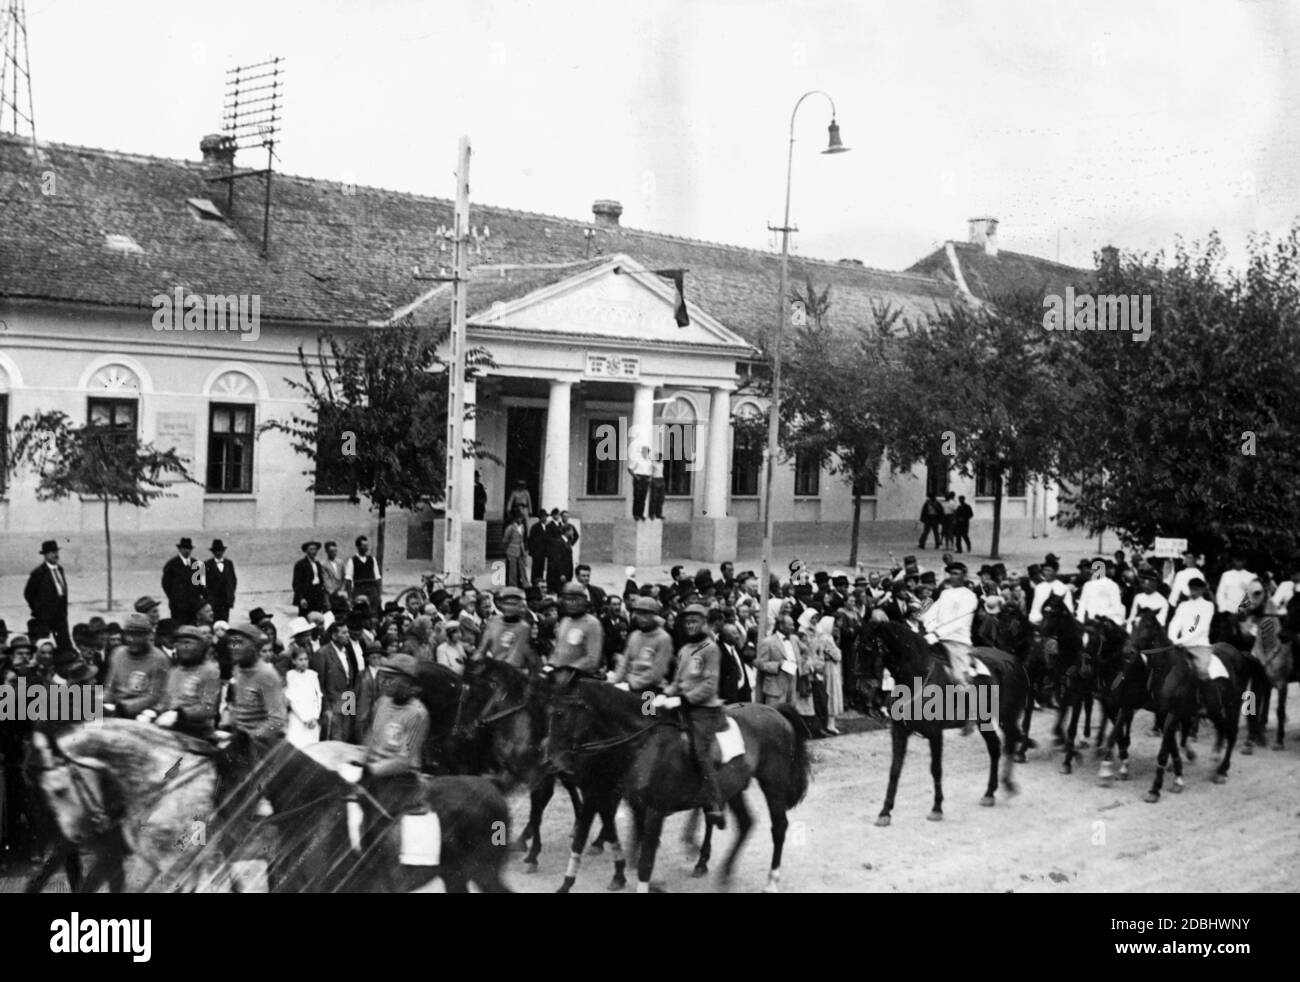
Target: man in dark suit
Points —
{"points": [[335, 664], [733, 679], [309, 585], [559, 555], [595, 595], [219, 575], [46, 594], [368, 690], [182, 582], [537, 547]]}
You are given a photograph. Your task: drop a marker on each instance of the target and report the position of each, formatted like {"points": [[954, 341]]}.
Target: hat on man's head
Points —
{"points": [[297, 626], [339, 605], [189, 631], [309, 544], [909, 560], [185, 543], [402, 664], [821, 576], [1053, 560], [217, 546], [1196, 581], [511, 593], [645, 605], [247, 630], [573, 589], [696, 609], [928, 578], [136, 621], [258, 616], [839, 575], [49, 545], [861, 581], [958, 569], [146, 604]]}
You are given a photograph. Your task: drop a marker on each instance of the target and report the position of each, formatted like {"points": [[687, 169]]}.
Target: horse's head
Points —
{"points": [[1147, 632], [1057, 619], [80, 790], [892, 645], [570, 725]]}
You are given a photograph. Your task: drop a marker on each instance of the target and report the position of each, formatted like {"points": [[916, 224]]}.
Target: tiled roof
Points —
{"points": [[347, 255], [988, 276]]}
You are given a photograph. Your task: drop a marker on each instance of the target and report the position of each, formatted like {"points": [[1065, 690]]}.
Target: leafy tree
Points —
{"points": [[984, 385], [108, 464], [1194, 432], [376, 419]]}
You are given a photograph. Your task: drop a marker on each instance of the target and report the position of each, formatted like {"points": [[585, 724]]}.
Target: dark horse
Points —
{"points": [[507, 709], [908, 657], [1072, 674], [1127, 692], [607, 740]]}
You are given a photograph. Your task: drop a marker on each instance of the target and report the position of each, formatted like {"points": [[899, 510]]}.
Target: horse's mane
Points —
{"points": [[624, 709], [137, 754]]}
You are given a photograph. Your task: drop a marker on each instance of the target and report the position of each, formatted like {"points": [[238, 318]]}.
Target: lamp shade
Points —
{"points": [[835, 145]]}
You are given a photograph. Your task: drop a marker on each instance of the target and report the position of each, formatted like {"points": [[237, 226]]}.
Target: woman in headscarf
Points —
{"points": [[832, 671]]}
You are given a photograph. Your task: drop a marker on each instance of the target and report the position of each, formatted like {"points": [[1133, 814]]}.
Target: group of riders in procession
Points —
{"points": [[435, 684]]}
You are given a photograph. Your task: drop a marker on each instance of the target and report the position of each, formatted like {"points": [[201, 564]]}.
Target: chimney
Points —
{"points": [[606, 212], [218, 149], [984, 232], [1109, 257]]}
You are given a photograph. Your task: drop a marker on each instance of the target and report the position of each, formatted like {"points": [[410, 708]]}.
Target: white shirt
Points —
{"points": [[58, 577], [949, 617], [1190, 625], [1047, 589], [347, 569], [1232, 588], [642, 467], [1179, 589], [1100, 598], [1283, 594], [1149, 601]]}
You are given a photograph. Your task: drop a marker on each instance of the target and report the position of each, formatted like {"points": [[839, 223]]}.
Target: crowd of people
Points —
{"points": [[345, 665]]}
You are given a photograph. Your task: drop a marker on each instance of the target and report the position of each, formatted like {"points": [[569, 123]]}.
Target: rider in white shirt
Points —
{"points": [[948, 621], [1285, 591], [1148, 599], [1049, 586], [1234, 584], [1178, 591], [1100, 598], [1189, 628]]}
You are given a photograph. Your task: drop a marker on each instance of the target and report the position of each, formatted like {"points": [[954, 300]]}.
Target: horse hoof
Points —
{"points": [[1020, 758], [1010, 787], [567, 885], [1124, 775], [882, 822], [987, 801], [595, 849], [771, 888], [616, 884], [701, 869], [520, 845], [935, 816], [1247, 749], [1176, 787], [1152, 797], [1067, 769], [530, 866], [1220, 779], [1278, 746]]}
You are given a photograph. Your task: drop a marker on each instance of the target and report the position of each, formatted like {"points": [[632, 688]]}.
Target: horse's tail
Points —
{"points": [[800, 759]]}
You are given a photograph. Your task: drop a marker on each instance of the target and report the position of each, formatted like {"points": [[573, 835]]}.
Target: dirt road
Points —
{"points": [[1061, 833]]}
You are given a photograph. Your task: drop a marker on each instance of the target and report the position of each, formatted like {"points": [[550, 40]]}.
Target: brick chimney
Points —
{"points": [[1109, 256], [984, 232], [218, 149], [606, 212]]}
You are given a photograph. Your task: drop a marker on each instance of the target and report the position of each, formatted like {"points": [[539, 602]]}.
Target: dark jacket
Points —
{"points": [[733, 680], [221, 586], [305, 591], [43, 598], [184, 596]]}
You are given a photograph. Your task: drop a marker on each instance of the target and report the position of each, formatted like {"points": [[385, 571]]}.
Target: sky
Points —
{"points": [[1075, 124]]}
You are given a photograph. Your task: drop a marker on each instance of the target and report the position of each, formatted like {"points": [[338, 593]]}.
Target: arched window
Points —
{"points": [[114, 401], [232, 419], [747, 446], [675, 433]]}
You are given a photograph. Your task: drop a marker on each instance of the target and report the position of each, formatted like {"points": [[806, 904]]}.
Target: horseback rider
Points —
{"points": [[1049, 586], [579, 638], [394, 753], [695, 690], [508, 636], [1189, 628], [1148, 598], [1099, 599], [1260, 621], [948, 622], [189, 705], [646, 660], [137, 671]]}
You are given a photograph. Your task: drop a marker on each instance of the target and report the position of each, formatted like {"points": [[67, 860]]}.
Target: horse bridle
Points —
{"points": [[89, 798]]}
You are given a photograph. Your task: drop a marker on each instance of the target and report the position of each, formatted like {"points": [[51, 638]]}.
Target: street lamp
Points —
{"points": [[833, 145]]}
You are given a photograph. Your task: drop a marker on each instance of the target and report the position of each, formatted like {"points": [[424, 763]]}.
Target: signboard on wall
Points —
{"points": [[1170, 548], [176, 431], [618, 367]]}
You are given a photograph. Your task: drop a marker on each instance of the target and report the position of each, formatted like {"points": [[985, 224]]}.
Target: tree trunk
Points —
{"points": [[997, 514], [108, 550], [380, 535], [857, 525]]}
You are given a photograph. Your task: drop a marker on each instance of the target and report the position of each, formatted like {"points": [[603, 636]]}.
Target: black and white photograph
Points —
{"points": [[582, 446]]}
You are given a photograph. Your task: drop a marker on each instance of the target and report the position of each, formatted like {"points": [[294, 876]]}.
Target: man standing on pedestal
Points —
{"points": [[641, 469]]}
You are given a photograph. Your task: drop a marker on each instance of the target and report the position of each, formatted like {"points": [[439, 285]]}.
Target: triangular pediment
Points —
{"points": [[619, 299]]}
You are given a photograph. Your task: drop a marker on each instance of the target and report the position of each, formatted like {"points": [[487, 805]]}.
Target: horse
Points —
{"points": [[1178, 693], [1016, 638], [1103, 642], [1128, 692], [117, 777], [907, 656], [608, 741], [313, 847], [1071, 672], [510, 708], [1280, 671]]}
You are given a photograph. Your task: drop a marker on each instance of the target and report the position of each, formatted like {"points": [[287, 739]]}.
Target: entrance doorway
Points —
{"points": [[525, 436]]}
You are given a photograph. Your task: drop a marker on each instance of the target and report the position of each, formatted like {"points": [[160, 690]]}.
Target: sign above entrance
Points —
{"points": [[613, 366], [1170, 548]]}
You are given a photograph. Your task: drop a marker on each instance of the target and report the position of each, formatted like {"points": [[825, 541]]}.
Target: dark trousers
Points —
{"points": [[821, 704], [640, 487], [926, 529], [657, 487], [55, 627], [962, 533], [947, 530], [539, 566]]}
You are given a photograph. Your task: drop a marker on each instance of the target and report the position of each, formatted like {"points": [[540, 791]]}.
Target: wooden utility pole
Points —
{"points": [[455, 497]]}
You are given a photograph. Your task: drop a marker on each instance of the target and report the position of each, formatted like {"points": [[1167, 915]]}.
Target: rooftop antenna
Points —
{"points": [[251, 118], [15, 71]]}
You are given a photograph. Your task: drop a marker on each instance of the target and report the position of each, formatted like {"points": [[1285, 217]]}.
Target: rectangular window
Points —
{"points": [[1016, 483], [603, 458], [807, 475], [937, 477], [746, 459], [869, 485], [117, 415], [985, 485], [230, 448], [333, 469]]}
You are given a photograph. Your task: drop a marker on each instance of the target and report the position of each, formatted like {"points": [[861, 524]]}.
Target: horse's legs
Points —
{"points": [[780, 823], [454, 881], [539, 797], [994, 745], [1022, 745], [581, 829], [62, 852], [1228, 724], [706, 849], [1087, 716], [899, 735], [1068, 738], [1281, 713], [1168, 742], [649, 846], [609, 831], [744, 822], [1101, 726], [936, 772]]}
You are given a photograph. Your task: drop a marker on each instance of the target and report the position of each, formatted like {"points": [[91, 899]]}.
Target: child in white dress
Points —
{"points": [[302, 693]]}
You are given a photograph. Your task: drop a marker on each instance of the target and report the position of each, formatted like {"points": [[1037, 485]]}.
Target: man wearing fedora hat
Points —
{"points": [[219, 575], [182, 582], [46, 594], [308, 583]]}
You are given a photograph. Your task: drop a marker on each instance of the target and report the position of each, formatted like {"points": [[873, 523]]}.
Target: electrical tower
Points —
{"points": [[15, 72]]}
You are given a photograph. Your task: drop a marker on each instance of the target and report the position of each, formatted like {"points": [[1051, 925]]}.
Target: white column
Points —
{"points": [[717, 473], [470, 433], [641, 432], [555, 462]]}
